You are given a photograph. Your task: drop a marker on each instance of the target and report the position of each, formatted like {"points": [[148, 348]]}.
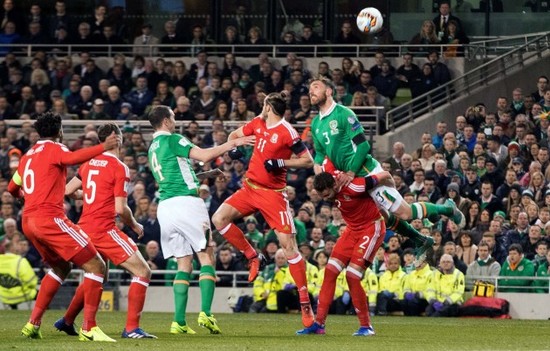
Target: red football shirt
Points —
{"points": [[104, 177], [357, 207], [43, 179], [271, 143]]}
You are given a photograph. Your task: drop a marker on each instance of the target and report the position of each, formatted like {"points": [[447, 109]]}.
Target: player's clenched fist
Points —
{"points": [[274, 164], [138, 229], [111, 142], [235, 154]]}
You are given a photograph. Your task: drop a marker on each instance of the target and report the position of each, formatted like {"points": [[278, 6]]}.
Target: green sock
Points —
{"points": [[404, 228], [428, 210], [207, 284], [181, 288]]}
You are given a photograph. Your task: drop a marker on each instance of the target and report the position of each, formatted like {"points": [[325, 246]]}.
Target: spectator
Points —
{"points": [[269, 283], [97, 111], [346, 37], [60, 20], [171, 38], [516, 265], [146, 44], [542, 85], [379, 59], [182, 111], [226, 262], [231, 36], [426, 36], [543, 272], [8, 37], [140, 97], [9, 13], [385, 81], [19, 282], [198, 39], [484, 266], [448, 293], [442, 21], [204, 106], [440, 71], [155, 260], [416, 288], [97, 21], [391, 287], [254, 42], [408, 72], [151, 226]]}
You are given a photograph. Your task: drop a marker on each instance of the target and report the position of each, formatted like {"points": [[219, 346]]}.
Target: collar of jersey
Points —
{"points": [[275, 125], [331, 108], [161, 132]]}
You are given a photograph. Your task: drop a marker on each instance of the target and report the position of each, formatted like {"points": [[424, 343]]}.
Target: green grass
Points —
{"points": [[276, 332]]}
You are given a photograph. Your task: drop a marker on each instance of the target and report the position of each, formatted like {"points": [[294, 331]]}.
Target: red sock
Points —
{"points": [[236, 237], [358, 296], [92, 287], [297, 268], [136, 300], [326, 295], [77, 304], [49, 286]]}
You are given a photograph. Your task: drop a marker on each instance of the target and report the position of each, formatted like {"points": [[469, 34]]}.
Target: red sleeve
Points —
{"points": [[68, 158], [248, 129], [122, 178], [14, 189]]}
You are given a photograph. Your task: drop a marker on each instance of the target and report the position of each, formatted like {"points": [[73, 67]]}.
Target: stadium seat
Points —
{"points": [[402, 96]]}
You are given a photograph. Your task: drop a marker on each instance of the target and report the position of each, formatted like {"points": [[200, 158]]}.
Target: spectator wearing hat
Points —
{"points": [[146, 44], [125, 113], [97, 112], [493, 173], [517, 166], [252, 233], [453, 193]]}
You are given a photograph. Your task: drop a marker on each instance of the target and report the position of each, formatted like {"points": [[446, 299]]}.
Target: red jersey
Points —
{"points": [[357, 207], [103, 178], [271, 143], [42, 175]]}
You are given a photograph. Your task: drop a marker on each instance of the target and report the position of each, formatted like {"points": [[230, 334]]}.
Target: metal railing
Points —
{"points": [[73, 129], [470, 82], [492, 47]]}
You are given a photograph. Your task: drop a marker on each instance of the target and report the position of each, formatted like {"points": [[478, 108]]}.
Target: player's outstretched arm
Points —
{"points": [[207, 155], [126, 216], [71, 158], [72, 189]]}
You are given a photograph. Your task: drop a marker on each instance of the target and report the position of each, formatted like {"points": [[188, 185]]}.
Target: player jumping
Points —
{"points": [[264, 190]]}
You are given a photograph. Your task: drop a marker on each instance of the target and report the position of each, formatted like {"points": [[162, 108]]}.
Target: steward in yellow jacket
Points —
{"points": [[17, 279], [417, 284], [447, 290], [390, 286]]}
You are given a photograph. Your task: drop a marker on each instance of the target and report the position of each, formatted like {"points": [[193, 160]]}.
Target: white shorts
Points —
{"points": [[385, 197], [184, 226]]}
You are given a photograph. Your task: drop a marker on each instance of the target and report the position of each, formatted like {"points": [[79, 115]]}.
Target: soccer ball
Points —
{"points": [[369, 20]]}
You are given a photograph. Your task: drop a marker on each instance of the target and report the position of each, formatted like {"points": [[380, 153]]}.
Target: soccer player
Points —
{"points": [[41, 178], [182, 214], [264, 190], [104, 180], [338, 135], [355, 249]]}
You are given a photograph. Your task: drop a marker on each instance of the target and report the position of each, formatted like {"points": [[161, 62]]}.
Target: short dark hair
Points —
{"points": [[158, 114], [516, 247], [323, 181], [105, 130], [326, 81], [48, 124]]}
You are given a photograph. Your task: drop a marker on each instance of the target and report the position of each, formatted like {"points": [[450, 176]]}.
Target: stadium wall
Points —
{"points": [[409, 134]]}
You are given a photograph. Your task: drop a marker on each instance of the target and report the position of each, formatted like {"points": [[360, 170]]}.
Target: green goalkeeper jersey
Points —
{"points": [[333, 135], [172, 169]]}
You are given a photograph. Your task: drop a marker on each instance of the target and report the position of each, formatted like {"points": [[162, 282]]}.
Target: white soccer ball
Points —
{"points": [[369, 20]]}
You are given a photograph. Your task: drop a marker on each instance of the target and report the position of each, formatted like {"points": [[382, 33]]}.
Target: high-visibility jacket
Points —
{"points": [[312, 274], [449, 287], [17, 279], [341, 283], [418, 282], [259, 286], [273, 286], [392, 282], [370, 285]]}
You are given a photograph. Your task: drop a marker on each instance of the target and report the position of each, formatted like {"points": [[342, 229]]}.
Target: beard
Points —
{"points": [[318, 100]]}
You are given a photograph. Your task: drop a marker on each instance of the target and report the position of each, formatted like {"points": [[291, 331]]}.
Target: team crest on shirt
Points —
{"points": [[274, 138], [333, 127]]}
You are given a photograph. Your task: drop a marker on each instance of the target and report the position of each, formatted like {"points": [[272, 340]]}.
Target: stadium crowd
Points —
{"points": [[494, 163]]}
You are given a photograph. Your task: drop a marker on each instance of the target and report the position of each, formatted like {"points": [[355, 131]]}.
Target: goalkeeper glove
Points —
{"points": [[274, 164], [235, 154]]}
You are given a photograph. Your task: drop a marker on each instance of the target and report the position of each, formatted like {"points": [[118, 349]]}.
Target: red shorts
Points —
{"points": [[359, 247], [113, 244], [57, 239], [273, 205]]}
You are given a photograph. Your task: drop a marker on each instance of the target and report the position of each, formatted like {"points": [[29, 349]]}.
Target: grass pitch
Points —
{"points": [[276, 332]]}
